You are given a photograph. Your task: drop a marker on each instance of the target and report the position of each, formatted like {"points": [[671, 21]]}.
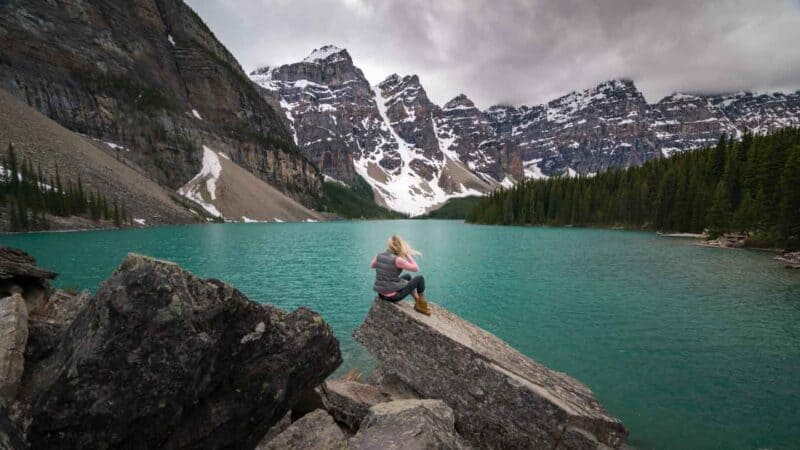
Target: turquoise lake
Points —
{"points": [[692, 347]]}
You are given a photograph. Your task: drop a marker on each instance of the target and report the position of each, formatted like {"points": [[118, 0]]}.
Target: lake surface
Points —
{"points": [[692, 347]]}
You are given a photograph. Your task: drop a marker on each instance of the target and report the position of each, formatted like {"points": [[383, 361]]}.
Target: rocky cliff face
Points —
{"points": [[760, 113], [147, 75], [416, 154], [583, 132], [386, 134], [329, 108], [682, 122]]}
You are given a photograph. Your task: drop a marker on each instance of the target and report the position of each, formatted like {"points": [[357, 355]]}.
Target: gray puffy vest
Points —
{"points": [[387, 274]]}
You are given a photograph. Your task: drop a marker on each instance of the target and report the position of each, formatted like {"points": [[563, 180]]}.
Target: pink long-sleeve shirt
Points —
{"points": [[406, 263]]}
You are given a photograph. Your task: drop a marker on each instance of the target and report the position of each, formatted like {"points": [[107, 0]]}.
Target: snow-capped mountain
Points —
{"points": [[582, 132], [416, 155], [386, 134]]}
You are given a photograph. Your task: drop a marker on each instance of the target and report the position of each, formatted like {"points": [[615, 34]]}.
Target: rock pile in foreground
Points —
{"points": [[159, 358], [500, 398]]}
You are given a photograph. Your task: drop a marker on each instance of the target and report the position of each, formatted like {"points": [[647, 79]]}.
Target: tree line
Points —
{"points": [[28, 195], [750, 185]]}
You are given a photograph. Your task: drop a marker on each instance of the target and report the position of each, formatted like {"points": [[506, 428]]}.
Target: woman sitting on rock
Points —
{"points": [[389, 284]]}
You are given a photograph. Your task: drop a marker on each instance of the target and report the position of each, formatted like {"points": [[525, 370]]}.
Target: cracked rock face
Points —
{"points": [[315, 430], [408, 424], [13, 337], [161, 358], [500, 398], [11, 437], [349, 401]]}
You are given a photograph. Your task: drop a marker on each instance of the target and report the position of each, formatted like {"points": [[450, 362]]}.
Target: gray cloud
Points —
{"points": [[528, 52]]}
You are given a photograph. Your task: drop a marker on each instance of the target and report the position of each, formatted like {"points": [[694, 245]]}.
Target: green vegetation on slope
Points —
{"points": [[752, 185], [27, 196], [355, 202], [455, 208]]}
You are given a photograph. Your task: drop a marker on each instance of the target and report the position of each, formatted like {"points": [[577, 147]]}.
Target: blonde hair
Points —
{"points": [[400, 247]]}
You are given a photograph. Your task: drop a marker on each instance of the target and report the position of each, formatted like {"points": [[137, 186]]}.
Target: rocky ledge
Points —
{"points": [[500, 398]]}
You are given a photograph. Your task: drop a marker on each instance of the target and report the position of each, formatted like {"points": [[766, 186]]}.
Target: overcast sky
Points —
{"points": [[528, 51]]}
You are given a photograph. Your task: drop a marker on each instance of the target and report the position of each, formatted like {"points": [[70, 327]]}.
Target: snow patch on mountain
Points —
{"points": [[403, 189], [202, 189], [323, 53], [533, 171]]}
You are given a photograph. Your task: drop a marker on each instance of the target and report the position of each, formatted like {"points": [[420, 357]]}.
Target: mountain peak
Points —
{"points": [[327, 53], [679, 97], [617, 84], [394, 80], [460, 101]]}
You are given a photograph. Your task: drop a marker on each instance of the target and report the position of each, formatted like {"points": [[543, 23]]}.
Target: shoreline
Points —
{"points": [[683, 235]]}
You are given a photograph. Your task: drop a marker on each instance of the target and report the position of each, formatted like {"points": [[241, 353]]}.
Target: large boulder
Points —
{"points": [[20, 274], [408, 424], [13, 337], [316, 430], [349, 401], [390, 384], [501, 398], [163, 359]]}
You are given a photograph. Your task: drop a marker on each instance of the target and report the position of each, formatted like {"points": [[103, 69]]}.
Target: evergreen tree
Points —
{"points": [[116, 215], [752, 185], [745, 217], [12, 168], [790, 201]]}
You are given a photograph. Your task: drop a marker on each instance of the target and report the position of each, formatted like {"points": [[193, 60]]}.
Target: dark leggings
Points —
{"points": [[414, 284]]}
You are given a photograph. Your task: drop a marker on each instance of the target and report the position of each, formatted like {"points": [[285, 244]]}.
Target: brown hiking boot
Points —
{"points": [[421, 306]]}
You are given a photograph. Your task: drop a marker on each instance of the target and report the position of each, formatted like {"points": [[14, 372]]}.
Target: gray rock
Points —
{"points": [[50, 323], [408, 424], [11, 437], [20, 274], [392, 385], [349, 401], [18, 265], [277, 429], [162, 358], [578, 439], [13, 337], [501, 398], [315, 430], [62, 307]]}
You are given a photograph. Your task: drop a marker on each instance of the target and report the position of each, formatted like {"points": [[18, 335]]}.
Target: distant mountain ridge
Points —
{"points": [[416, 154]]}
